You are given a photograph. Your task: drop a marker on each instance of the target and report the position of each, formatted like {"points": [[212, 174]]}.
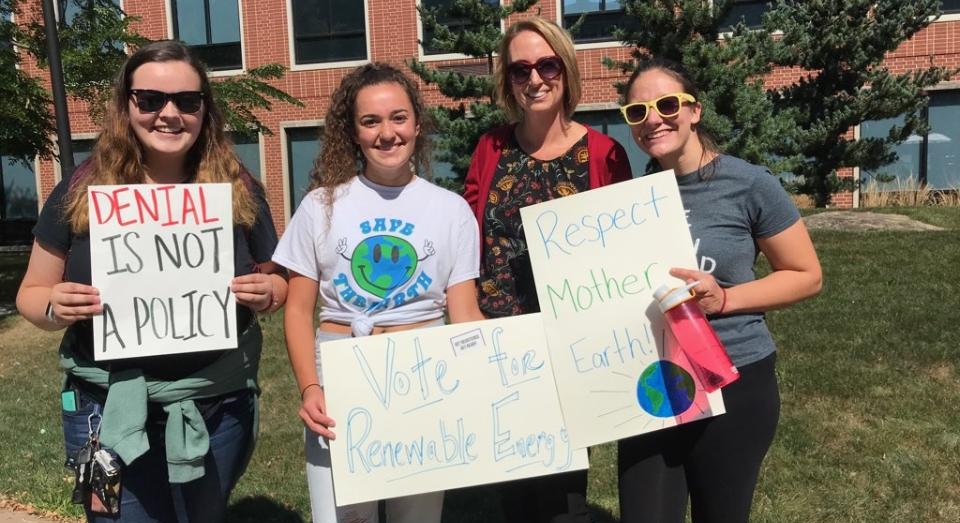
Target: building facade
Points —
{"points": [[319, 41]]}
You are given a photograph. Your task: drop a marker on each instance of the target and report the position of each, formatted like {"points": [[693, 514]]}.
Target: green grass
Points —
{"points": [[870, 428]]}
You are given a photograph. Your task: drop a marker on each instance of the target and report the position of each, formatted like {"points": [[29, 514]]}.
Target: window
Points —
{"points": [[905, 170], [950, 6], [248, 149], [82, 149], [455, 24], [750, 11], [932, 158], [212, 29], [19, 190], [611, 124], [600, 17], [329, 31], [943, 154], [302, 148], [6, 19]]}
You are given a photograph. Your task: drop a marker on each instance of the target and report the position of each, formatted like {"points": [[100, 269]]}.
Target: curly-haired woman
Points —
{"points": [[420, 249]]}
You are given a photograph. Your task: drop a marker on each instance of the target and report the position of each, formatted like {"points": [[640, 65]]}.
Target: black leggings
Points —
{"points": [[714, 461]]}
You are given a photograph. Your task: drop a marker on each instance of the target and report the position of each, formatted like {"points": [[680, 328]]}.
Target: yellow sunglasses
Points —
{"points": [[666, 106]]}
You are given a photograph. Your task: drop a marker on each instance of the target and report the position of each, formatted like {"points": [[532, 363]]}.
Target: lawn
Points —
{"points": [[870, 430]]}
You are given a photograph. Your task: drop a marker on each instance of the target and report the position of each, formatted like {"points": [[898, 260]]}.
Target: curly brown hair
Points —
{"points": [[340, 158], [117, 156]]}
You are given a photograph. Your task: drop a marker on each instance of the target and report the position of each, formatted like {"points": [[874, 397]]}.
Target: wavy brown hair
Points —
{"points": [[340, 158], [562, 45], [118, 156]]}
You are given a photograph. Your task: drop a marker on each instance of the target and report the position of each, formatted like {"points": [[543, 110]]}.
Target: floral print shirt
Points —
{"points": [[506, 277]]}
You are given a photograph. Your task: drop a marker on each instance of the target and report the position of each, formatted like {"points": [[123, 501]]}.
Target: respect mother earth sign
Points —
{"points": [[597, 258], [162, 258]]}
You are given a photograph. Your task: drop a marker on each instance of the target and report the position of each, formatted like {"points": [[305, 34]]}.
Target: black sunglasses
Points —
{"points": [[150, 101], [548, 67]]}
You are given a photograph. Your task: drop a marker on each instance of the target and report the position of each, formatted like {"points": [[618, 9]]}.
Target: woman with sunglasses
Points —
{"points": [[736, 211], [180, 427], [541, 156]]}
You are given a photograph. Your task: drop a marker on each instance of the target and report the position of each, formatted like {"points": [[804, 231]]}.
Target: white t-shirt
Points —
{"points": [[386, 255]]}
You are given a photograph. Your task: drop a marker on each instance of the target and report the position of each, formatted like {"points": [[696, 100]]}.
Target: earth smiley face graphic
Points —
{"points": [[381, 264]]}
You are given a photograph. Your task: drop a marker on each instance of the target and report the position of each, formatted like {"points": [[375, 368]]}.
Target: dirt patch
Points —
{"points": [[866, 221]]}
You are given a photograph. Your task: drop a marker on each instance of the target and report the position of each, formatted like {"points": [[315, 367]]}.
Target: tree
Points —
{"points": [[472, 28], [728, 70], [840, 47], [25, 120], [94, 41]]}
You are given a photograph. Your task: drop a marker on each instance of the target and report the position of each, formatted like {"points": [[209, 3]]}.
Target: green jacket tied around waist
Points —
{"points": [[123, 427]]}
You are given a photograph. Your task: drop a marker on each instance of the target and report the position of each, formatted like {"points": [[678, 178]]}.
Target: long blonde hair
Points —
{"points": [[118, 155]]}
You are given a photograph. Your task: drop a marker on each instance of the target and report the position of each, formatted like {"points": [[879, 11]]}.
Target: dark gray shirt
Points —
{"points": [[728, 211]]}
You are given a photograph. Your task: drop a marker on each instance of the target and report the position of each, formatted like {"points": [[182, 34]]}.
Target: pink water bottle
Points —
{"points": [[696, 337]]}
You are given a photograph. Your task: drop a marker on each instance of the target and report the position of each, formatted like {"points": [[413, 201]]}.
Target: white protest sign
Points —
{"points": [[597, 257], [446, 407], [162, 258]]}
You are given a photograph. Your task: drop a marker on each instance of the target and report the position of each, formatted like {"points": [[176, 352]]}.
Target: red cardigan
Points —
{"points": [[608, 164]]}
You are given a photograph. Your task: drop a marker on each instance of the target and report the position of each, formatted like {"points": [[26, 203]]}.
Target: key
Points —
{"points": [[81, 469]]}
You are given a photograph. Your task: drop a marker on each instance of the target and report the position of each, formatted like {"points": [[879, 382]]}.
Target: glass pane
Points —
{"points": [[751, 11], [439, 168], [950, 6], [580, 6], [611, 123], [220, 57], [906, 170], [943, 153], [19, 190], [598, 27], [328, 31], [451, 22], [81, 150], [248, 149], [224, 21], [302, 148], [191, 22]]}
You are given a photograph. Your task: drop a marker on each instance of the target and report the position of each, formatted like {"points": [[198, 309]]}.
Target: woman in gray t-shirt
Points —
{"points": [[736, 211]]}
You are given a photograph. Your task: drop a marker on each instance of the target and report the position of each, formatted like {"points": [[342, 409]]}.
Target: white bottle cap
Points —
{"points": [[668, 298]]}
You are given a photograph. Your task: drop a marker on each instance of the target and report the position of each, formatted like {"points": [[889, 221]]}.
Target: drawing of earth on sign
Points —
{"points": [[665, 389]]}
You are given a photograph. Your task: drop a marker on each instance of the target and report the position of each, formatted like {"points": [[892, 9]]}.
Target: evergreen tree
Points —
{"points": [[726, 63], [802, 127], [840, 47], [472, 28]]}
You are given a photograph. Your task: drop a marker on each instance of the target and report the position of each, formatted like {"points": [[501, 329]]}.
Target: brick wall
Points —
{"points": [[392, 37]]}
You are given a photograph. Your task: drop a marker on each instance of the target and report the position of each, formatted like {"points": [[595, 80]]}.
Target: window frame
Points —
{"points": [[289, 206], [923, 146], [174, 33], [292, 45], [592, 43], [433, 57]]}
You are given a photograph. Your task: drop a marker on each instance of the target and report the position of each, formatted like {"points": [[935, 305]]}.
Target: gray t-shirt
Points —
{"points": [[727, 212]]}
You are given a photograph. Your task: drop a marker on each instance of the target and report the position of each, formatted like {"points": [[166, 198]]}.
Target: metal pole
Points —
{"points": [[64, 139]]}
